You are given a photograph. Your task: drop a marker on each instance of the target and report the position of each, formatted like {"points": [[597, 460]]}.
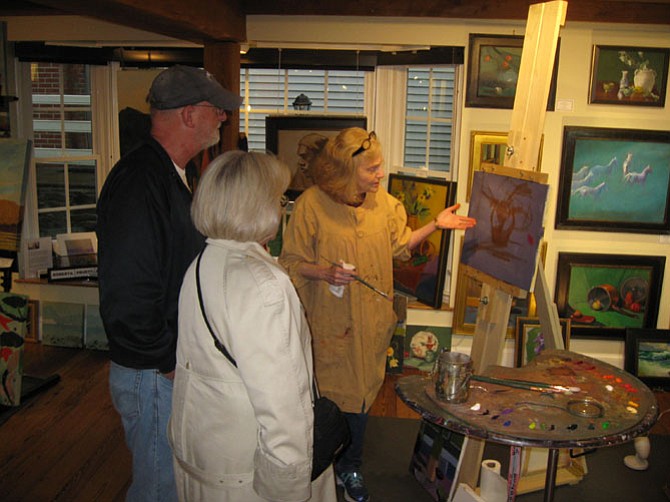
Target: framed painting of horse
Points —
{"points": [[614, 180]]}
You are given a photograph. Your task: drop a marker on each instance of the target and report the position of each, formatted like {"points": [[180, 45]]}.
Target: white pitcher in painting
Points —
{"points": [[645, 79]]}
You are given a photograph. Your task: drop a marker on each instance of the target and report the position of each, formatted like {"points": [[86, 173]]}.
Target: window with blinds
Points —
{"points": [[268, 91], [429, 117]]}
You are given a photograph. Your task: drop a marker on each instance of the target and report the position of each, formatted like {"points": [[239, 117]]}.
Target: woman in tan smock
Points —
{"points": [[348, 216]]}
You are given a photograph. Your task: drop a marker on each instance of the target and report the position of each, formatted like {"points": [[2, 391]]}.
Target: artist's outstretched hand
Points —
{"points": [[449, 219]]}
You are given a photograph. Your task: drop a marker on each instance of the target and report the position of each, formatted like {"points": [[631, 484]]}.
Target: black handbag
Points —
{"points": [[331, 430]]}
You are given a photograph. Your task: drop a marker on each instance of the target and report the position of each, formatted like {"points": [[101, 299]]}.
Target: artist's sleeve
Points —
{"points": [[299, 241]]}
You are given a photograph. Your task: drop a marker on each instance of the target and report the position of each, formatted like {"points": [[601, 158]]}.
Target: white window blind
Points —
{"points": [[429, 117], [269, 91]]}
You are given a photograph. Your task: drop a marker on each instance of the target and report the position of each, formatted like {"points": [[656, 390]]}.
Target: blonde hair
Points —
{"points": [[238, 197], [334, 170]]}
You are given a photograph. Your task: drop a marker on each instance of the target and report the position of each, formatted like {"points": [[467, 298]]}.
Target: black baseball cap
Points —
{"points": [[186, 85]]}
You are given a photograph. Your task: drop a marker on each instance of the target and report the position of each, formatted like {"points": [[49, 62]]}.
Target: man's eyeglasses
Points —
{"points": [[219, 111], [367, 143]]}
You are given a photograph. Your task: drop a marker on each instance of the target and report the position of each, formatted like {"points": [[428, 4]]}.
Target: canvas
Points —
{"points": [[423, 344], [504, 243], [422, 276], [396, 351], [13, 317], [435, 459], [63, 324], [297, 139], [14, 159]]}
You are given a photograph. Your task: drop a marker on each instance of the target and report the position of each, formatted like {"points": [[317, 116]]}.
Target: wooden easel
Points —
{"points": [[525, 136]]}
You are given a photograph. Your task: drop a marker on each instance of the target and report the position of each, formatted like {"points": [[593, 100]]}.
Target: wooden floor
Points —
{"points": [[67, 443]]}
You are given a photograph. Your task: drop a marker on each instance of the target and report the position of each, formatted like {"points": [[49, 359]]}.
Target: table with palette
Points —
{"points": [[606, 406]]}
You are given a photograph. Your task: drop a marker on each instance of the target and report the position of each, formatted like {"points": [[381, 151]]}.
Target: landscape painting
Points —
{"points": [[14, 157]]}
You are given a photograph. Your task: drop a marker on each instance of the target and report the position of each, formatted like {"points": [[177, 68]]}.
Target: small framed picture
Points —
{"points": [[489, 148], [493, 71], [530, 340], [636, 76], [603, 294], [647, 356]]}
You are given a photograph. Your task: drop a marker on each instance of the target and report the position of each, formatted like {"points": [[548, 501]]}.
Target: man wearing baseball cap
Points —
{"points": [[146, 241]]}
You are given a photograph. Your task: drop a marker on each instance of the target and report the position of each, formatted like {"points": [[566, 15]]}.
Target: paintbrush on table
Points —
{"points": [[527, 385]]}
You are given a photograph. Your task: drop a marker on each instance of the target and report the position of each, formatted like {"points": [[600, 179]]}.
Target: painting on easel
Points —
{"points": [[509, 212], [14, 158]]}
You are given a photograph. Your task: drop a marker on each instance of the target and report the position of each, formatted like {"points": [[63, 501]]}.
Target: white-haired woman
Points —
{"points": [[243, 432], [349, 216]]}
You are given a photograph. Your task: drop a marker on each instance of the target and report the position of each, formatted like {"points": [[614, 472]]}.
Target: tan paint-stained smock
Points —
{"points": [[350, 334]]}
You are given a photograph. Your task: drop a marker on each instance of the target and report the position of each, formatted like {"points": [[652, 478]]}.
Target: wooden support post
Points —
{"points": [[525, 136], [222, 59]]}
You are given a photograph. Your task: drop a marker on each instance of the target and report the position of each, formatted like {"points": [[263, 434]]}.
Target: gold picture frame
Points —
{"points": [[467, 299], [488, 147], [530, 341], [32, 333]]}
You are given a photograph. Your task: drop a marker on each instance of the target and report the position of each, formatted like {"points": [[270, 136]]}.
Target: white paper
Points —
{"points": [[36, 256]]}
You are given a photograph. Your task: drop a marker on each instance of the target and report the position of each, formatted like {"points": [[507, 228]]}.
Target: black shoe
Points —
{"points": [[354, 486]]}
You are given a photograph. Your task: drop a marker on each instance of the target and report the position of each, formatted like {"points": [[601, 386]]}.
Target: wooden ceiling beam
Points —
{"points": [[601, 11], [200, 22]]}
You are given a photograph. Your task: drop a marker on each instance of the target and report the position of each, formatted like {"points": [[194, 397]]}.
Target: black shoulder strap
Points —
{"points": [[217, 343]]}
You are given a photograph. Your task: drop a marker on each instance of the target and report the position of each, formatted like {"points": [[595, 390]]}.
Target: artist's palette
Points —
{"points": [[610, 406]]}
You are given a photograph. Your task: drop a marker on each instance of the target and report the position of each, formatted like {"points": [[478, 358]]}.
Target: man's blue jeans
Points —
{"points": [[143, 398]]}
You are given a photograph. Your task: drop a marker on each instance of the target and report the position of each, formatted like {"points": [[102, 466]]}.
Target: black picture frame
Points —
{"points": [[422, 276], [647, 356], [286, 134], [604, 294], [493, 70], [614, 180], [629, 76]]}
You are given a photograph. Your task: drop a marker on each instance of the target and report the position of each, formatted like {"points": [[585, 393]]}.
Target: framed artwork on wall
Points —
{"points": [[647, 356], [422, 276], [296, 139], [489, 148], [493, 71], [635, 76], [530, 339], [423, 345], [603, 294], [614, 180]]}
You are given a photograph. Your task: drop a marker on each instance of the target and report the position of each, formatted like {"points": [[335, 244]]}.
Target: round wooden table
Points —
{"points": [[610, 407]]}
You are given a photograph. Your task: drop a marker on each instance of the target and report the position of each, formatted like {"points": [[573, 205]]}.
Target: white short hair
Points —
{"points": [[238, 197]]}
